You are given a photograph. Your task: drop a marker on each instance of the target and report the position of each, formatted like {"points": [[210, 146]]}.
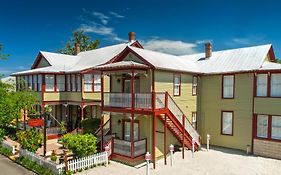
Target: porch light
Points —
{"points": [[147, 156], [172, 148]]}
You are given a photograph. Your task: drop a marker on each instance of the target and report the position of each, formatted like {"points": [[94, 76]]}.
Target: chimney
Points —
{"points": [[132, 36], [77, 49], [208, 50]]}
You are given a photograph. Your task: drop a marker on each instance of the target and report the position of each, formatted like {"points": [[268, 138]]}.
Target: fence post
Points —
{"points": [[193, 143], [65, 161], [171, 152], [208, 141], [147, 158], [107, 153]]}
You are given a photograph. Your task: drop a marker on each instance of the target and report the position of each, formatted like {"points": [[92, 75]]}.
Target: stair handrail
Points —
{"points": [[188, 126], [99, 129]]}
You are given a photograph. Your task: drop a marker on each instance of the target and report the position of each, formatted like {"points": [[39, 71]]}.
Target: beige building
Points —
{"points": [[148, 100]]}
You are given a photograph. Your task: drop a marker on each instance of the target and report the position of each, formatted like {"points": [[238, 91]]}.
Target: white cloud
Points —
{"points": [[116, 15], [96, 28], [103, 18], [170, 46], [246, 41]]}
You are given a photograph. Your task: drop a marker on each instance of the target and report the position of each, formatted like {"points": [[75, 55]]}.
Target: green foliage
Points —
{"points": [[2, 55], [29, 164], [80, 145], [85, 41], [13, 102], [2, 134], [54, 156], [90, 125], [30, 140], [62, 127], [5, 151]]}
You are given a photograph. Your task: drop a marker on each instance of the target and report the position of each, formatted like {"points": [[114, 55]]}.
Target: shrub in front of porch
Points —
{"points": [[90, 125], [80, 145], [30, 140]]}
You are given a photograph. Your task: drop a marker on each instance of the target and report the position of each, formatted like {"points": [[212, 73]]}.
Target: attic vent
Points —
{"points": [[208, 50]]}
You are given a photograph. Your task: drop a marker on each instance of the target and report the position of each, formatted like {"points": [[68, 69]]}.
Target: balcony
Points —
{"points": [[124, 148], [140, 101]]}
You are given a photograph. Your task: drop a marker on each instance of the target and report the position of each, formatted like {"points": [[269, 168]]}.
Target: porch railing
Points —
{"points": [[122, 100], [123, 147], [143, 100]]}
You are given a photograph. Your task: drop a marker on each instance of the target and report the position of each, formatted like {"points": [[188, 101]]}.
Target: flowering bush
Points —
{"points": [[30, 140]]}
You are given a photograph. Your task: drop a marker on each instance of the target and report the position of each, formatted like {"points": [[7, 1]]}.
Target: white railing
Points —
{"points": [[160, 100], [143, 100], [122, 100], [109, 143], [42, 161], [122, 147], [179, 114], [9, 146], [87, 162], [140, 147]]}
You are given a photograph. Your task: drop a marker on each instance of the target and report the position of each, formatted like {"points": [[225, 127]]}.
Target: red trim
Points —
{"points": [[174, 85], [268, 84], [222, 85], [232, 122], [165, 140], [137, 44], [43, 86], [194, 94]]}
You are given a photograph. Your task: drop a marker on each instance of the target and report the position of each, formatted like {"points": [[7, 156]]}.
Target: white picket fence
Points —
{"points": [[87, 162], [9, 145], [42, 161]]}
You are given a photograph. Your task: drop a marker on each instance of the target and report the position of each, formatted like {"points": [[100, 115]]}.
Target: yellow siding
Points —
{"points": [[267, 106], [63, 96], [212, 105], [187, 102]]}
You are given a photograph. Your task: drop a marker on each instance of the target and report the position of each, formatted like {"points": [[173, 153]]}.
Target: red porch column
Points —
{"points": [[165, 140], [132, 114], [183, 132], [102, 132]]}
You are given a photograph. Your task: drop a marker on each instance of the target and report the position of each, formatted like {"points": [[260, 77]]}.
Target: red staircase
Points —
{"points": [[179, 124]]}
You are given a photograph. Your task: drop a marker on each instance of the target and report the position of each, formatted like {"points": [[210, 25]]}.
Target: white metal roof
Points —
{"points": [[233, 60], [270, 66], [121, 64]]}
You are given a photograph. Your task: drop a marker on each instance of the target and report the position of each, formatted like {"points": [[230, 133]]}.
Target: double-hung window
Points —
{"points": [[194, 120], [194, 85], [78, 82], [35, 88], [60, 82], [275, 90], [262, 126], [177, 85], [262, 85], [26, 82], [50, 82], [39, 82], [276, 127], [228, 86], [227, 123], [73, 82], [68, 82], [97, 83], [88, 82], [30, 82]]}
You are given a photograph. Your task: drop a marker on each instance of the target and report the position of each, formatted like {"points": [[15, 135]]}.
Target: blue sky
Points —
{"points": [[177, 26]]}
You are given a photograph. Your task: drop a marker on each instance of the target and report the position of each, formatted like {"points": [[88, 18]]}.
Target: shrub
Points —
{"points": [[29, 164], [54, 156], [30, 140], [5, 151], [2, 134], [90, 125], [80, 145]]}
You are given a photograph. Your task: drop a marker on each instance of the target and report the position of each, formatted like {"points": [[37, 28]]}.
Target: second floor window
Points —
{"points": [[194, 85], [60, 82], [39, 82], [30, 82], [177, 85], [35, 88], [88, 82], [262, 85], [78, 82], [50, 82], [228, 86], [97, 83], [275, 90], [73, 83], [68, 83]]}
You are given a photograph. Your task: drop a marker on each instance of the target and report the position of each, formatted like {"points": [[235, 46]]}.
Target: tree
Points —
{"points": [[85, 41], [3, 56]]}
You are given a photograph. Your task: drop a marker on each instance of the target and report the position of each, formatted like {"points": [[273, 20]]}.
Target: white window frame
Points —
{"points": [[228, 86], [88, 82], [97, 83], [60, 80], [194, 85], [275, 85], [177, 85], [50, 82], [262, 80], [226, 124]]}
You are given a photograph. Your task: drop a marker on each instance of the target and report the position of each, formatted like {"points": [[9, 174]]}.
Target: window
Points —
{"points": [[194, 120], [227, 123], [34, 82], [88, 82], [39, 82], [228, 86], [262, 85], [97, 83], [194, 85], [68, 83], [177, 85], [50, 82], [73, 83], [262, 126], [275, 90], [276, 127], [128, 131], [78, 82], [30, 82], [60, 82], [26, 82]]}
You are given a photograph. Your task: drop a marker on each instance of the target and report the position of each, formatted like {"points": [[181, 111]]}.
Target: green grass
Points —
{"points": [[5, 151]]}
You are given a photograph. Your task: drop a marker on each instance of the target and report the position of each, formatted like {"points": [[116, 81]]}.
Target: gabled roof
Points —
{"points": [[270, 66], [233, 60], [122, 65]]}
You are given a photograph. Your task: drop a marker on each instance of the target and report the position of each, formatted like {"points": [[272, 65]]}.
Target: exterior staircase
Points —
{"points": [[179, 124]]}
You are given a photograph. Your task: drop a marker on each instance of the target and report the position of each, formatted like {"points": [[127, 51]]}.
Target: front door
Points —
{"points": [[127, 86], [128, 131]]}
